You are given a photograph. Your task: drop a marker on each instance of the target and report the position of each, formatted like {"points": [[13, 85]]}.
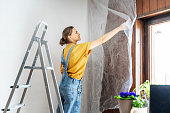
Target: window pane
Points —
{"points": [[160, 53]]}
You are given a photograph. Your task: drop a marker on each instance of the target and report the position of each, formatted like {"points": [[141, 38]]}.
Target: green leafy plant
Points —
{"points": [[144, 95], [126, 96], [144, 90], [139, 102]]}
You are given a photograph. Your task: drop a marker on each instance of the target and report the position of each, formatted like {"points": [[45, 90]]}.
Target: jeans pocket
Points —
{"points": [[69, 93]]}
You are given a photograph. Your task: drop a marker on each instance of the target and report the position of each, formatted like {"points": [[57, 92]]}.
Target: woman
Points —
{"points": [[73, 62]]}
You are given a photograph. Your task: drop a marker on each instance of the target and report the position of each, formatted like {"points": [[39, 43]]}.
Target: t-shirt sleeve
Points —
{"points": [[83, 48]]}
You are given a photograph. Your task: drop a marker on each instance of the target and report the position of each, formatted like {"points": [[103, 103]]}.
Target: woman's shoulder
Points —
{"points": [[83, 44]]}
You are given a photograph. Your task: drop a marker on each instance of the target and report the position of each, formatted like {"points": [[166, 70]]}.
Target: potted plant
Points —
{"points": [[141, 104], [144, 90], [125, 100]]}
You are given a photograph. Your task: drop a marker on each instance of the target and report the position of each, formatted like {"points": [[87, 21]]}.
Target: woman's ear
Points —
{"points": [[69, 38]]}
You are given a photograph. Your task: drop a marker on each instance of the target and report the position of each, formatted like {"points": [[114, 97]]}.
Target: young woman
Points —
{"points": [[73, 62]]}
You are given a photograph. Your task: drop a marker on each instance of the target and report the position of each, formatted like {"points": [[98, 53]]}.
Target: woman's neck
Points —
{"points": [[73, 42]]}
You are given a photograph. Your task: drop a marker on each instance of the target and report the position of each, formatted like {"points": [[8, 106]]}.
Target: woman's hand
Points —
{"points": [[125, 25], [109, 35], [121, 28]]}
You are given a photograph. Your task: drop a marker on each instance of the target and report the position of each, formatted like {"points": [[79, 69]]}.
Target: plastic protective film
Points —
{"points": [[109, 68]]}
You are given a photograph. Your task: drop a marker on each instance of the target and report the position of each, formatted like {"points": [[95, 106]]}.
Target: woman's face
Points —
{"points": [[75, 36]]}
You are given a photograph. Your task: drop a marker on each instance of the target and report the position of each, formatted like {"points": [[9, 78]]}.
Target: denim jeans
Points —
{"points": [[70, 90]]}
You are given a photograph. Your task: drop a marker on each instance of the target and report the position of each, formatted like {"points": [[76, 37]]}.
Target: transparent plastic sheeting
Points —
{"points": [[109, 68]]}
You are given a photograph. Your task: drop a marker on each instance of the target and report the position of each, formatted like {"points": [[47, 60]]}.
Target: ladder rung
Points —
{"points": [[21, 86], [33, 67], [15, 107], [37, 38], [49, 68]]}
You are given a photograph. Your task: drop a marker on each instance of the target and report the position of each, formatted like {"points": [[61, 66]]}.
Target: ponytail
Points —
{"points": [[66, 32], [63, 41]]}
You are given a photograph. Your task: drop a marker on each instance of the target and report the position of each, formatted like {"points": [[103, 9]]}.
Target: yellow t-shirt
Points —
{"points": [[77, 60]]}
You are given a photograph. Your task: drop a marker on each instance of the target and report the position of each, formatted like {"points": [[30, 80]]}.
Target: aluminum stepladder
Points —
{"points": [[41, 42]]}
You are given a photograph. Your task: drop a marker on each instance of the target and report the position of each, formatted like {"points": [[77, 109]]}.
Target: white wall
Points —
{"points": [[18, 19]]}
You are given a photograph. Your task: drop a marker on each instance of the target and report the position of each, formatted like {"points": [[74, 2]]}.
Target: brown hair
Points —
{"points": [[66, 32]]}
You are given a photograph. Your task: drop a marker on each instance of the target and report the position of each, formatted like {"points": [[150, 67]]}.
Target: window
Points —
{"points": [[160, 57], [156, 49]]}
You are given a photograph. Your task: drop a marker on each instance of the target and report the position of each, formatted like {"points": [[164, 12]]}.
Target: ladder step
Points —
{"points": [[15, 107], [33, 67], [21, 86], [49, 68]]}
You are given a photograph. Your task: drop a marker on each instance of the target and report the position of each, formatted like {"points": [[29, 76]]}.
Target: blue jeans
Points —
{"points": [[70, 92]]}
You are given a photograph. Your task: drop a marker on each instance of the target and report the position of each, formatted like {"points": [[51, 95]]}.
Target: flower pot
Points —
{"points": [[125, 106], [138, 110], [147, 105]]}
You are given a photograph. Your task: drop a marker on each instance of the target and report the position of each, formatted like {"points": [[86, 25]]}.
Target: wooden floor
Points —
{"points": [[111, 111]]}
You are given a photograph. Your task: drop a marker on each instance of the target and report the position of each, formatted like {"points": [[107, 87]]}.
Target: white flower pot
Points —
{"points": [[138, 110], [125, 106]]}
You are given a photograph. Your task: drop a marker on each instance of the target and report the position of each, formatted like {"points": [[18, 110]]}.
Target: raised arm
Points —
{"points": [[106, 37]]}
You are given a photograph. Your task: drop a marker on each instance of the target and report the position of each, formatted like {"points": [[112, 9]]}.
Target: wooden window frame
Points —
{"points": [[145, 40]]}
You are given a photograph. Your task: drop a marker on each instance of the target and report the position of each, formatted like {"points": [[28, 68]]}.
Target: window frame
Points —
{"points": [[147, 65]]}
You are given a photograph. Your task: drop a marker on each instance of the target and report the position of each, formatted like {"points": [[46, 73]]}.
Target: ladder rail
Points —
{"points": [[18, 76], [28, 80], [37, 29], [35, 58], [44, 32], [45, 79], [43, 68], [23, 64], [15, 107], [54, 79]]}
